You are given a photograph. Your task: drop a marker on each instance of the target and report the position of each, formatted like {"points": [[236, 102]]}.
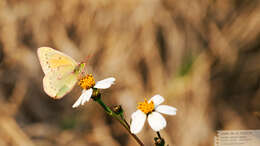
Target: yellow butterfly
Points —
{"points": [[61, 72]]}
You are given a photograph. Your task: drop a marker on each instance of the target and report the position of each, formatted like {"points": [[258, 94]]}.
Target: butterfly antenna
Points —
{"points": [[87, 58], [83, 72]]}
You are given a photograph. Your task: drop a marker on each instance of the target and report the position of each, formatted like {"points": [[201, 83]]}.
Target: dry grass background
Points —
{"points": [[203, 56]]}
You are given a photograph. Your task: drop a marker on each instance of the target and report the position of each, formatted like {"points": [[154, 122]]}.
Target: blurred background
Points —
{"points": [[202, 56]]}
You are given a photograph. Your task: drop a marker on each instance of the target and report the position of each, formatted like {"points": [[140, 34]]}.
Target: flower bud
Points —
{"points": [[118, 109]]}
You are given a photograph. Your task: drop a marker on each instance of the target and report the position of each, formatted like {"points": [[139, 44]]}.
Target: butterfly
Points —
{"points": [[61, 72]]}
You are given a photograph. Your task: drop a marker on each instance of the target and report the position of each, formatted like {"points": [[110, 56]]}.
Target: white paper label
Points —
{"points": [[237, 138]]}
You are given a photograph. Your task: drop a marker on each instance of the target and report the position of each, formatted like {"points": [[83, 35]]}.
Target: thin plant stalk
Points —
{"points": [[125, 122], [121, 120], [158, 134]]}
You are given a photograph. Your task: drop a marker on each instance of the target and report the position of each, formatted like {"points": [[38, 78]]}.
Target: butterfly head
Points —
{"points": [[80, 68]]}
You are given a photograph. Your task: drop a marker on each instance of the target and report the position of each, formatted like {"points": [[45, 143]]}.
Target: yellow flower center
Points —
{"points": [[87, 82], [145, 106]]}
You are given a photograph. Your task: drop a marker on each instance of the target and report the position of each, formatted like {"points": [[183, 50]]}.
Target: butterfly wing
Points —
{"points": [[52, 60], [59, 68], [57, 88]]}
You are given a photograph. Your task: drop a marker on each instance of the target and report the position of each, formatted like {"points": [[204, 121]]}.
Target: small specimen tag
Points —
{"points": [[237, 138]]}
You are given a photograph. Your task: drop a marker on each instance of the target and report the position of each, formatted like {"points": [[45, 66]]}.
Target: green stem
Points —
{"points": [[106, 108], [119, 118], [122, 117]]}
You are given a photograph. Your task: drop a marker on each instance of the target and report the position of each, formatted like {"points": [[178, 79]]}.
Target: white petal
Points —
{"points": [[104, 84], [157, 99], [87, 96], [165, 109], [77, 103], [138, 120], [156, 121]]}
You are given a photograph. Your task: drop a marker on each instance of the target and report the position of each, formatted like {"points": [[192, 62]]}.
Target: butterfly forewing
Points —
{"points": [[52, 60]]}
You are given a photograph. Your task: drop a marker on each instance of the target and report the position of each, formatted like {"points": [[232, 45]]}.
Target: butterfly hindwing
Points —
{"points": [[57, 88]]}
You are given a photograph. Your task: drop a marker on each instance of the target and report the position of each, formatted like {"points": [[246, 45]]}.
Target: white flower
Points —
{"points": [[88, 84], [152, 110]]}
